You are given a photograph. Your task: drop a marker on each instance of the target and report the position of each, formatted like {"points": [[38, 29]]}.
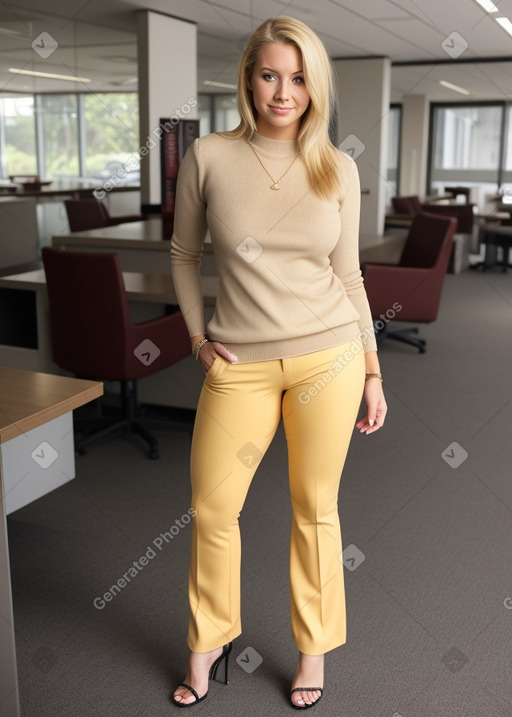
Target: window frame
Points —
{"points": [[506, 110]]}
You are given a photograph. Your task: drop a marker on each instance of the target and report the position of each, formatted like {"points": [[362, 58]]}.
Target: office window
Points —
{"points": [[465, 149], [58, 118], [226, 115], [17, 136], [111, 136], [394, 133], [506, 177], [204, 114]]}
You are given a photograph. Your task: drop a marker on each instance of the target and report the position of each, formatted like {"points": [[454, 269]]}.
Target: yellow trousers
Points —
{"points": [[318, 396]]}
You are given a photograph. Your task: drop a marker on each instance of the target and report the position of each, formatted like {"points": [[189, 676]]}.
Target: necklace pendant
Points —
{"points": [[274, 186]]}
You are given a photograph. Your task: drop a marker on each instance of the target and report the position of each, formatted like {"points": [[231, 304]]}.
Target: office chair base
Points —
{"points": [[132, 419], [111, 428], [403, 336]]}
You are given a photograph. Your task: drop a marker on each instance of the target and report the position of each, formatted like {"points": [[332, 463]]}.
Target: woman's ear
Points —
{"points": [[248, 83]]}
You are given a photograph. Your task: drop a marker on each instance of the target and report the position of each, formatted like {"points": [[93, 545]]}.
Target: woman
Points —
{"points": [[291, 337]]}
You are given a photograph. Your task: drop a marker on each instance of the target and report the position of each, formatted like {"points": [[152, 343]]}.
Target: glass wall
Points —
{"points": [[111, 135], [394, 134], [58, 121], [204, 114], [225, 112], [17, 136], [466, 149], [70, 136], [506, 177], [217, 113]]}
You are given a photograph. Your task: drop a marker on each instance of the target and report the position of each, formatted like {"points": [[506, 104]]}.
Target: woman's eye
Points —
{"points": [[269, 77], [299, 80]]}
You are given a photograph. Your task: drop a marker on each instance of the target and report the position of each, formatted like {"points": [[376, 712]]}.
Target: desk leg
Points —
{"points": [[504, 243], [490, 253], [9, 697]]}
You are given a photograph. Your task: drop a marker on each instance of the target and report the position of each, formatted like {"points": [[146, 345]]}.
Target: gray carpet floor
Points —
{"points": [[427, 503]]}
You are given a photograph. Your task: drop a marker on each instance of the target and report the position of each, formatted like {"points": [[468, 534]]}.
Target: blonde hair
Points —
{"points": [[320, 156]]}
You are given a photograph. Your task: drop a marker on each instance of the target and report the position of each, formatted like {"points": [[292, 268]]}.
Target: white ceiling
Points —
{"points": [[97, 39]]}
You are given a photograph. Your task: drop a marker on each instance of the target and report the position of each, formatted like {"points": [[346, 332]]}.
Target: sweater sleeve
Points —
{"points": [[345, 257], [187, 242]]}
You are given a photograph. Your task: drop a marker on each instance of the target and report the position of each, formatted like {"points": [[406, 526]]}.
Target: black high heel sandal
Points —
{"points": [[212, 675], [306, 705]]}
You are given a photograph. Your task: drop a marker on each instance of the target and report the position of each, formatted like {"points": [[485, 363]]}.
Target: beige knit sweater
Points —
{"points": [[288, 260]]}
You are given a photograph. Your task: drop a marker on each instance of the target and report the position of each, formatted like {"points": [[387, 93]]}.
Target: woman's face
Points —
{"points": [[279, 93]]}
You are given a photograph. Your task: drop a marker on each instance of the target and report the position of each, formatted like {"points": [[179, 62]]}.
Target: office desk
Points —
{"points": [[36, 456], [140, 286], [58, 188], [141, 246], [377, 248], [139, 236]]}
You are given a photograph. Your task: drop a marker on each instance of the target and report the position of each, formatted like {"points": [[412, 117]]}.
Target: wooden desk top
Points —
{"points": [[59, 188], [146, 235], [158, 288], [385, 248], [28, 399], [152, 288]]}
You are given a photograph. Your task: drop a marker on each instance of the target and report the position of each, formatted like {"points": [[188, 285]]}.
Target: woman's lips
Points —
{"points": [[280, 110]]}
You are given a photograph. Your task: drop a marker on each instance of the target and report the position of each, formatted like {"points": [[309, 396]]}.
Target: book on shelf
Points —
{"points": [[176, 139]]}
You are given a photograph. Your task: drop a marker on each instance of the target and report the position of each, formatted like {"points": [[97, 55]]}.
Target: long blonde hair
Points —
{"points": [[317, 150]]}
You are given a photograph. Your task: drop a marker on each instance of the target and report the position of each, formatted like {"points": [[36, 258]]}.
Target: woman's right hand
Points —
{"points": [[209, 352]]}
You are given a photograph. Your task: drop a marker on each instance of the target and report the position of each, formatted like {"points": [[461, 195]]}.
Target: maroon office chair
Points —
{"points": [[406, 205], [89, 213], [93, 336], [416, 283], [463, 213]]}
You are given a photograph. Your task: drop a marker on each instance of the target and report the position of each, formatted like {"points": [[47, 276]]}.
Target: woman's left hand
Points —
{"points": [[377, 407]]}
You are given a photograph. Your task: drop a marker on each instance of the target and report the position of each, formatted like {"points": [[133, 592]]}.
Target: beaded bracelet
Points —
{"points": [[372, 375], [199, 346]]}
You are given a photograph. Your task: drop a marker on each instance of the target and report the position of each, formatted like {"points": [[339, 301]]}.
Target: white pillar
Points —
{"points": [[414, 145], [364, 95], [167, 61]]}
